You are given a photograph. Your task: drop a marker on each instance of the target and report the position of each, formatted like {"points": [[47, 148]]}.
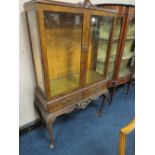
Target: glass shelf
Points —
{"points": [[130, 38], [127, 55], [124, 72], [114, 39]]}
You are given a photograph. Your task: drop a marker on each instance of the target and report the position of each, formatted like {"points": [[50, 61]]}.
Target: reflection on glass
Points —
{"points": [[98, 43], [114, 47], [36, 49], [63, 37], [128, 54]]}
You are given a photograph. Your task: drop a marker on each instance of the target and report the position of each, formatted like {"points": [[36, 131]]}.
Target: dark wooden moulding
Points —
{"points": [[50, 107]]}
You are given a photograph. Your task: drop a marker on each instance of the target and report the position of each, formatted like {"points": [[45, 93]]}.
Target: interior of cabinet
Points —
{"points": [[127, 59], [115, 41], [63, 38], [99, 40], [128, 53], [70, 82]]}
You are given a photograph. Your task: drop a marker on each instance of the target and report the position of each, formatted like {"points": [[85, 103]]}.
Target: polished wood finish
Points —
{"points": [[123, 134], [73, 63]]}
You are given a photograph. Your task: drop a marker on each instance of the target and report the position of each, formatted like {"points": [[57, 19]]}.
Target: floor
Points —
{"points": [[83, 132]]}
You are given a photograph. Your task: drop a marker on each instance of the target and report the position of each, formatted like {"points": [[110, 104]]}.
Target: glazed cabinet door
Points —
{"points": [[100, 32], [128, 57], [114, 48], [63, 41]]}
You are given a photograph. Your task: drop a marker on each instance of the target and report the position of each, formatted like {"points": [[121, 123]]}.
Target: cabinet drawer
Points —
{"points": [[73, 99], [55, 106], [94, 90]]}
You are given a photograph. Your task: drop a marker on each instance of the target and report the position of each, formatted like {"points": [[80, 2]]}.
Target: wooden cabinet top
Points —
{"points": [[86, 4]]}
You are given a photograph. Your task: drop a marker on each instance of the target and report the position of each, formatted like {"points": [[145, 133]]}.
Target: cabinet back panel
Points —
{"points": [[63, 52]]}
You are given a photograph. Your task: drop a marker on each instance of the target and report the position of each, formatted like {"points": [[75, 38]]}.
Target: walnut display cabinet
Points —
{"points": [[76, 52], [122, 61]]}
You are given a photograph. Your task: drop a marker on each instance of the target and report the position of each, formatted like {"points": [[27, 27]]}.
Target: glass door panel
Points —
{"points": [[116, 37], [98, 44], [64, 39], [131, 27], [128, 53]]}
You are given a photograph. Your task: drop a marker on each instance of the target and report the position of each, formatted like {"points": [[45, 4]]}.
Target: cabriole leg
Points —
{"points": [[128, 88], [112, 94], [50, 131], [102, 105]]}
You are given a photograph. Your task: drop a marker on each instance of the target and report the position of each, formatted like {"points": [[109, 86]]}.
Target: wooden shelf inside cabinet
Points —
{"points": [[107, 39], [128, 55], [130, 38]]}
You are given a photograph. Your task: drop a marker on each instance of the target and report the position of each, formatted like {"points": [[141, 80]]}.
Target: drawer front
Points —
{"points": [[73, 99], [94, 90], [58, 105]]}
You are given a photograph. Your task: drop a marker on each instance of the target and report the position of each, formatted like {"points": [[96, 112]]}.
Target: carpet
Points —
{"points": [[83, 132]]}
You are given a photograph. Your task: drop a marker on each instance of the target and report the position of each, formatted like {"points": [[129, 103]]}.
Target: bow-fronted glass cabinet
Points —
{"points": [[127, 61], [121, 54], [74, 50]]}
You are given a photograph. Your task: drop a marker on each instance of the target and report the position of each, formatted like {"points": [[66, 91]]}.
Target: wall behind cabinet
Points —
{"points": [[27, 82]]}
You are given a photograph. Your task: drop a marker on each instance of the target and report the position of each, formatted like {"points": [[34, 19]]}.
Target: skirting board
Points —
{"points": [[29, 127]]}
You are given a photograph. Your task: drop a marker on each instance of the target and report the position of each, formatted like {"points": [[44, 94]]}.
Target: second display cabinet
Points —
{"points": [[121, 64]]}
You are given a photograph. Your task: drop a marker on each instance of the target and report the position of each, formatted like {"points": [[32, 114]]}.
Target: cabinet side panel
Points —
{"points": [[36, 48]]}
